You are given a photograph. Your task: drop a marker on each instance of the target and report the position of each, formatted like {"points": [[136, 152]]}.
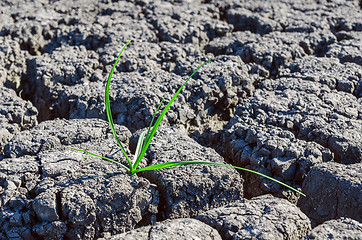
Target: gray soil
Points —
{"points": [[282, 95]]}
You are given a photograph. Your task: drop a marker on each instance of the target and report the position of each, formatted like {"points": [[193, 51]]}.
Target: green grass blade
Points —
{"points": [[153, 118], [139, 147], [163, 113], [178, 163], [138, 160], [108, 108], [108, 159]]}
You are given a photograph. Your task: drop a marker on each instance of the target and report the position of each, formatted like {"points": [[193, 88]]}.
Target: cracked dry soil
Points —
{"points": [[282, 96]]}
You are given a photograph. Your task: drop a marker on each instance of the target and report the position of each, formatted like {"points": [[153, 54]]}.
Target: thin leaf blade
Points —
{"points": [[108, 108], [163, 113], [108, 159], [139, 147], [179, 163], [138, 160], [153, 117]]}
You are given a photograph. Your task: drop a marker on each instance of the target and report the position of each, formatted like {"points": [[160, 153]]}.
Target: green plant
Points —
{"points": [[146, 137]]}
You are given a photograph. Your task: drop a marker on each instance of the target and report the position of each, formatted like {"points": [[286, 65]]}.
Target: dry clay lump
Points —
{"points": [[188, 190], [333, 190], [182, 228], [50, 135], [264, 217], [16, 114], [341, 228], [12, 63]]}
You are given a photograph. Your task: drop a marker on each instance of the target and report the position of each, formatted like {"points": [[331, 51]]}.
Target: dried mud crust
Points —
{"points": [[136, 95], [51, 191], [16, 114], [341, 228], [307, 115], [186, 191], [282, 96], [258, 218], [182, 228], [339, 192]]}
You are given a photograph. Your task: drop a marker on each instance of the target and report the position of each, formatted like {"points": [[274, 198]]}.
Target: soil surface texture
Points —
{"points": [[282, 95]]}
